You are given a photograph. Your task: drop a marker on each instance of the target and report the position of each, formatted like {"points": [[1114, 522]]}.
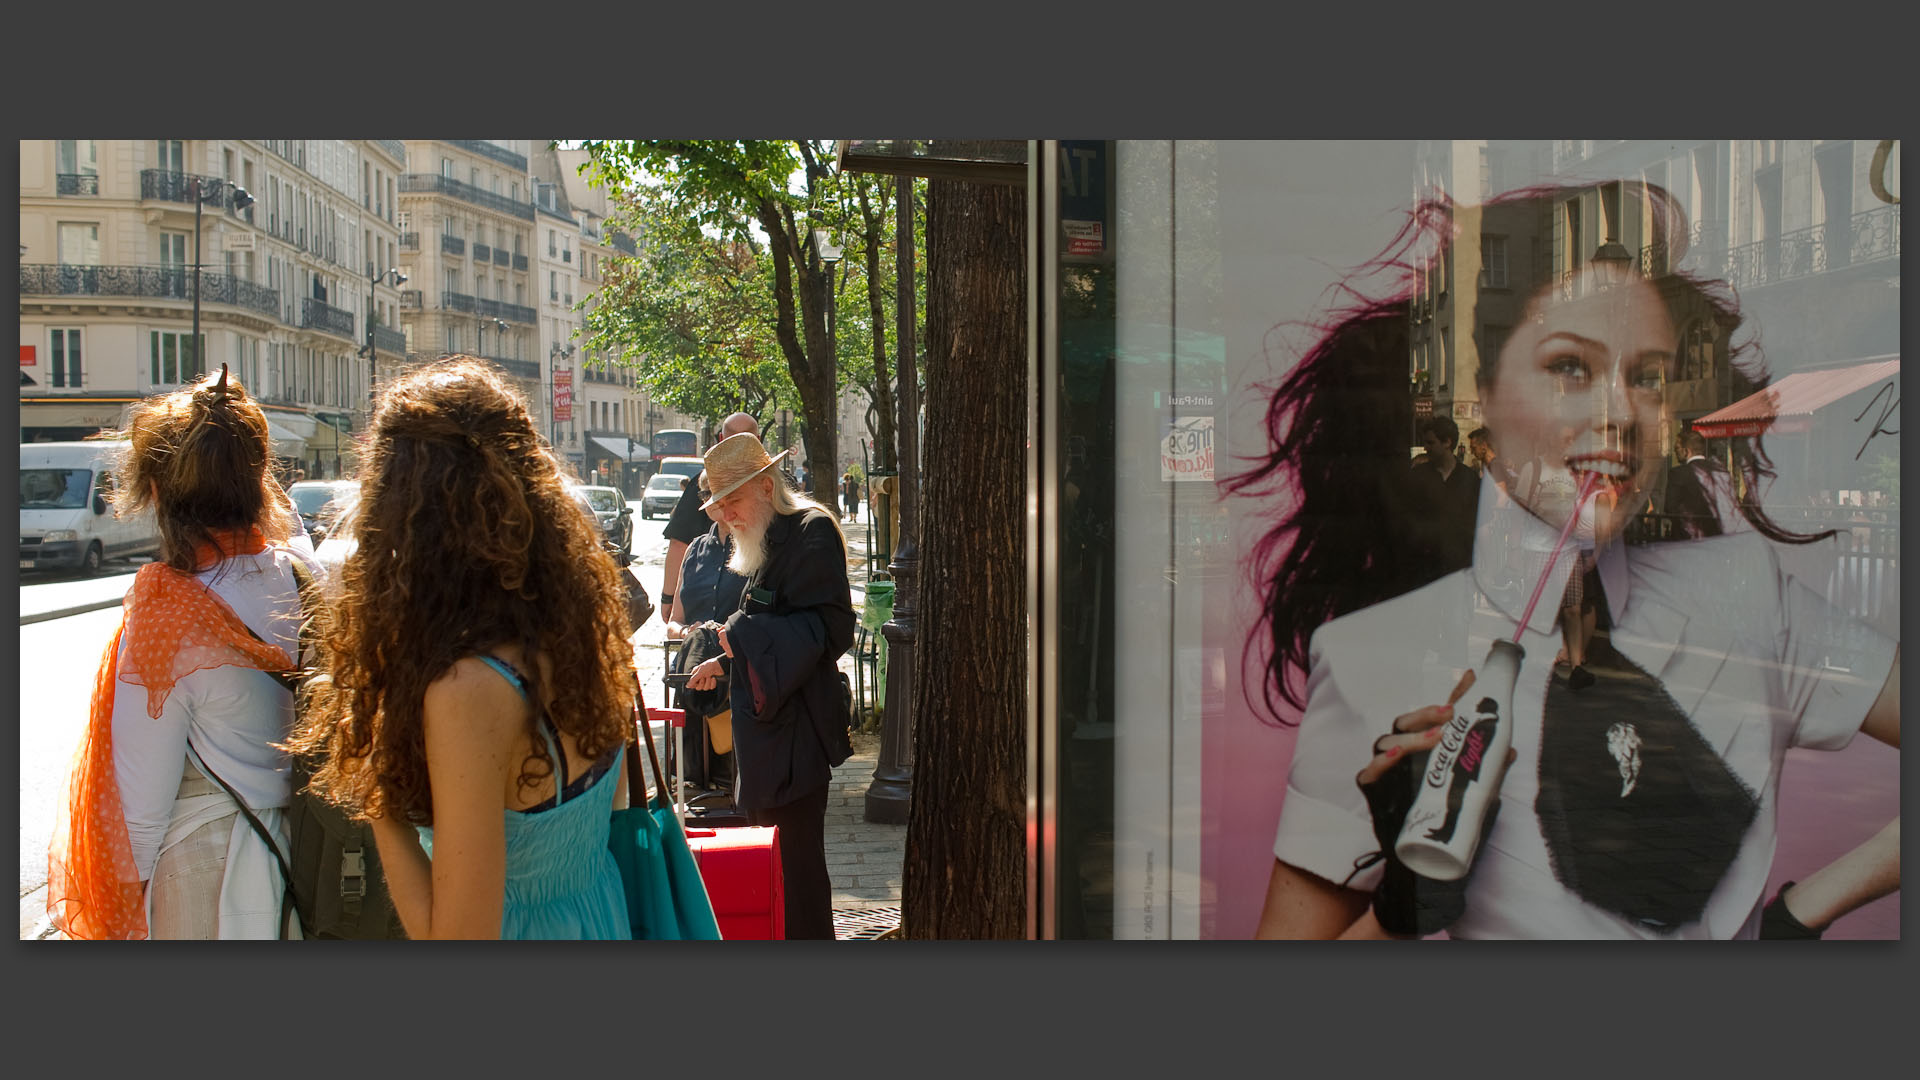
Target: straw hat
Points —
{"points": [[735, 460]]}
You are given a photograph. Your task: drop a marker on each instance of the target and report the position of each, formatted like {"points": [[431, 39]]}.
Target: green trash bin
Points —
{"points": [[879, 610]]}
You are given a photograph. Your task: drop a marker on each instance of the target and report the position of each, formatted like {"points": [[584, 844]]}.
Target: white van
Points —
{"points": [[65, 522]]}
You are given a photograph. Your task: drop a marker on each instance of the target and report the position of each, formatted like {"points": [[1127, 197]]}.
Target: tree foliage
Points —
{"points": [[692, 314], [729, 285], [736, 193]]}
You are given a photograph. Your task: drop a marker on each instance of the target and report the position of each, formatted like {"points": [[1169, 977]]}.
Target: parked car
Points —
{"points": [[611, 514], [689, 467], [662, 494], [65, 522], [321, 502]]}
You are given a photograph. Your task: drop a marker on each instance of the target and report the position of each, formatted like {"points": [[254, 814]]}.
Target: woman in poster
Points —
{"points": [[1639, 798]]}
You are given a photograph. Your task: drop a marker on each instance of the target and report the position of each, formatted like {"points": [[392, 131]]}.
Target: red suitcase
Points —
{"points": [[741, 867]]}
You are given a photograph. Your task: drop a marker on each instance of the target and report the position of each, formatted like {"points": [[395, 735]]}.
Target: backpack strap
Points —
{"points": [[286, 872]]}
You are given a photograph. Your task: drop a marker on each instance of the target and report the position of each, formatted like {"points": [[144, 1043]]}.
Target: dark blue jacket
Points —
{"points": [[795, 622]]}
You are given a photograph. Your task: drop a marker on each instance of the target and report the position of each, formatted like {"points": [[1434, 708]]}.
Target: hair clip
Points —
{"points": [[220, 388], [473, 442]]}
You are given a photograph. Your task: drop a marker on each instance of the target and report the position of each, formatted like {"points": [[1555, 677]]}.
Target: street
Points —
{"points": [[58, 658]]}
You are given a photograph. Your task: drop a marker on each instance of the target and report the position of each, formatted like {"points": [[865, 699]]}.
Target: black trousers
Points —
{"points": [[803, 862]]}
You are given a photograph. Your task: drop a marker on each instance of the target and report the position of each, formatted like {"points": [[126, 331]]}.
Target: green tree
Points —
{"points": [[692, 314], [785, 189]]}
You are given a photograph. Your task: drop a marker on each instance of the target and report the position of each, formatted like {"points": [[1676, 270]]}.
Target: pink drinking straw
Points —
{"points": [[1573, 519]]}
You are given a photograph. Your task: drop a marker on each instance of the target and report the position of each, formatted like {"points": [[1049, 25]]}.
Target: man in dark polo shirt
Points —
{"points": [[689, 521]]}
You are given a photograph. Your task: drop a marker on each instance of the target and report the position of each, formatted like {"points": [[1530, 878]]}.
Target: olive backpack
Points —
{"points": [[338, 889]]}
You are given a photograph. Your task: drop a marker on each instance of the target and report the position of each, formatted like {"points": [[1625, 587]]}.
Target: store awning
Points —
{"points": [[1789, 404], [287, 443], [617, 446]]}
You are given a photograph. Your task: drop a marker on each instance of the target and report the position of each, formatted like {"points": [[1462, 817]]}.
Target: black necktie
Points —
{"points": [[1641, 817]]}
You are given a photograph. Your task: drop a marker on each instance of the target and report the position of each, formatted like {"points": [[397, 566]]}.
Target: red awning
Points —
{"points": [[1789, 404]]}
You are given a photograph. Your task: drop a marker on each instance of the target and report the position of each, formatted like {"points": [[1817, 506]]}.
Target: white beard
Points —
{"points": [[749, 549]]}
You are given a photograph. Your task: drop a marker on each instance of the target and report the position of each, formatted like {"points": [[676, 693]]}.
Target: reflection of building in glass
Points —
{"points": [[1805, 232]]}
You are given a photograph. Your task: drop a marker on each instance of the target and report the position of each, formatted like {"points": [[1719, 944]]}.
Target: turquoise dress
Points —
{"points": [[562, 882]]}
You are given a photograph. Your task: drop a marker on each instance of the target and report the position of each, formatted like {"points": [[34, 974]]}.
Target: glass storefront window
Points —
{"points": [[1325, 422]]}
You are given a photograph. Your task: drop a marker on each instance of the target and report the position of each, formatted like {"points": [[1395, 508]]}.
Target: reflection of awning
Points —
{"points": [[1789, 404], [618, 447]]}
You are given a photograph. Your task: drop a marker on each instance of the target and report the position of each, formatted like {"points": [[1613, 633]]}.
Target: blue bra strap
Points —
{"points": [[506, 671], [519, 682]]}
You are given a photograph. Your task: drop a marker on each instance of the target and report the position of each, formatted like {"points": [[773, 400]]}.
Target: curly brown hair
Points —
{"points": [[467, 540], [199, 460]]}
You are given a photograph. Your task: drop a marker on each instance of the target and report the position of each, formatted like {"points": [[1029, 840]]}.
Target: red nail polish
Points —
{"points": [[1393, 751]]}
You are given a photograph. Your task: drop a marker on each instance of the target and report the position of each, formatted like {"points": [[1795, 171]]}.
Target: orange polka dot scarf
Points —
{"points": [[173, 626]]}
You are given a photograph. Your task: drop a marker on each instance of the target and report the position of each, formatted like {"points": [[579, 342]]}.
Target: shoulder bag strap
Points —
{"points": [[636, 783], [286, 872]]}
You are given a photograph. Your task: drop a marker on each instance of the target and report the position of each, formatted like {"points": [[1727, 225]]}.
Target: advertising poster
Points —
{"points": [[563, 395], [1554, 495]]}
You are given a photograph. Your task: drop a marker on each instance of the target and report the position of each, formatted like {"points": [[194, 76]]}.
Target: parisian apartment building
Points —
{"points": [[274, 238], [320, 267]]}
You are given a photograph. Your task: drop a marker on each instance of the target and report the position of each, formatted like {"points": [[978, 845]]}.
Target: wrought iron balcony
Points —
{"points": [[410, 300], [481, 252], [386, 339], [517, 162], [169, 186], [157, 282], [324, 317], [409, 241], [456, 301], [77, 184], [1868, 236], [393, 148], [519, 369], [452, 245], [501, 256], [435, 184], [500, 309], [519, 261]]}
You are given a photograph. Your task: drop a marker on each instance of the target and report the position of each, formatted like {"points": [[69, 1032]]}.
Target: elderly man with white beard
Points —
{"points": [[782, 647]]}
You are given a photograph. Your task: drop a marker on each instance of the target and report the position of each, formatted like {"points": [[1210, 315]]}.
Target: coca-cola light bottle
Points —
{"points": [[1463, 773]]}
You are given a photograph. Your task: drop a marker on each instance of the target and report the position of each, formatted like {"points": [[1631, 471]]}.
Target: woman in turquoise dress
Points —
{"points": [[480, 683]]}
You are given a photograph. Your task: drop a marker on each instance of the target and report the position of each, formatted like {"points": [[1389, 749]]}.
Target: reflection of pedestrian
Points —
{"points": [[1706, 639], [1688, 503], [1445, 494]]}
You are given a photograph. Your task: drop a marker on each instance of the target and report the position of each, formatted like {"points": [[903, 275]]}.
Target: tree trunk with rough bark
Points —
{"points": [[965, 872]]}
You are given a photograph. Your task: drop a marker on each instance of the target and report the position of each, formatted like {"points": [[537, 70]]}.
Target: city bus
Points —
{"points": [[675, 442]]}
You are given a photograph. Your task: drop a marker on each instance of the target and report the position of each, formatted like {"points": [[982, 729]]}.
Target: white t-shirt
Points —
{"points": [[1738, 644], [232, 713]]}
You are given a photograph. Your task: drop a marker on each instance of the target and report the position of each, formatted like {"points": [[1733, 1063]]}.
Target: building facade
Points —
{"points": [[285, 240], [466, 241]]}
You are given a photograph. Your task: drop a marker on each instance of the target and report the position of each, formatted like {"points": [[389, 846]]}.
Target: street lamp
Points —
{"points": [[1613, 263], [241, 200], [499, 332], [829, 255], [394, 275]]}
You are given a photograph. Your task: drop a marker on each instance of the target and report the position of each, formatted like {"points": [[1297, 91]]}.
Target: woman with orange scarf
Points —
{"points": [[151, 843]]}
